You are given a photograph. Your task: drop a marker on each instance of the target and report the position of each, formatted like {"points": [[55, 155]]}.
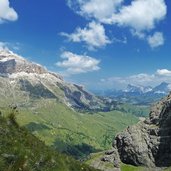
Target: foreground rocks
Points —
{"points": [[148, 143]]}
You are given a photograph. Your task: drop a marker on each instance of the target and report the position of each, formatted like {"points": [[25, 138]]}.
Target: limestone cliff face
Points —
{"points": [[149, 142], [12, 63]]}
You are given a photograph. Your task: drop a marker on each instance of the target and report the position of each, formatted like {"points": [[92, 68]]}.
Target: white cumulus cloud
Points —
{"points": [[164, 72], [93, 35], [76, 64], [156, 40], [140, 16], [7, 13], [99, 9], [144, 79]]}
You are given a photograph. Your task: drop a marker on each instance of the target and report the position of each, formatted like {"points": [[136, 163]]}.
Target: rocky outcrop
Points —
{"points": [[7, 66], [30, 68], [12, 63], [149, 142]]}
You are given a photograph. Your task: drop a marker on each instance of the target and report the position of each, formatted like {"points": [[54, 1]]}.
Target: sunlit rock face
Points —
{"points": [[149, 142], [12, 63]]}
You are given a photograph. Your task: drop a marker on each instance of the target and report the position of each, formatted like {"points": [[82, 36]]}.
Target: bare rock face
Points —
{"points": [[12, 63], [7, 66], [148, 143]]}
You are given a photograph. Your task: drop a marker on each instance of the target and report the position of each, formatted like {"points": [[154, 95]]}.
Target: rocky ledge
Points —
{"points": [[148, 143]]}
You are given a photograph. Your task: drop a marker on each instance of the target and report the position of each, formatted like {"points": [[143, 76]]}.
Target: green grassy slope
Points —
{"points": [[72, 132], [137, 110], [19, 150], [44, 112]]}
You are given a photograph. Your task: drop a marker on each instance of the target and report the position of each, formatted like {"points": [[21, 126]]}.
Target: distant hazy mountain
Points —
{"points": [[163, 88], [139, 94], [137, 89]]}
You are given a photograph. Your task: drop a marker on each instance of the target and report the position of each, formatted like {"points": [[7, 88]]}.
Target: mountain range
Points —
{"points": [[52, 112], [35, 81], [136, 94], [163, 88], [63, 115]]}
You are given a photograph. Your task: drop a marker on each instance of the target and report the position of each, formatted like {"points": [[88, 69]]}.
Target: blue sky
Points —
{"points": [[100, 44]]}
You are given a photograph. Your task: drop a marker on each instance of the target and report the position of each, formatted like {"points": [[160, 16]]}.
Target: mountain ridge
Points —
{"points": [[62, 114], [137, 94], [23, 74]]}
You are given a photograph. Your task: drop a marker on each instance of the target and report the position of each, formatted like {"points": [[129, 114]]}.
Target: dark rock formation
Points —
{"points": [[148, 143], [7, 66]]}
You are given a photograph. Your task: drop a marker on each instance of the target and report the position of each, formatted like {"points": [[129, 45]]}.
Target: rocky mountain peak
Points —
{"points": [[12, 63], [37, 82], [163, 87], [137, 89]]}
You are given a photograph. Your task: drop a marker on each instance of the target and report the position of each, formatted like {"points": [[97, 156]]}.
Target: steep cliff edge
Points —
{"points": [[148, 143]]}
